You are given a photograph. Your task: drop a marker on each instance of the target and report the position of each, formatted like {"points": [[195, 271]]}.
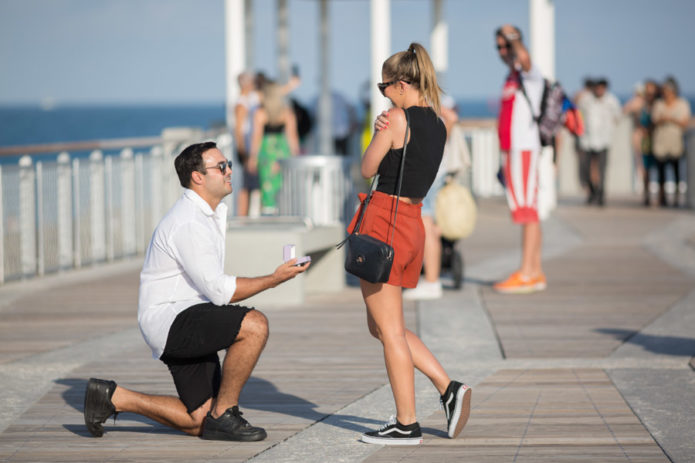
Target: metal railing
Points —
{"points": [[88, 207], [97, 202]]}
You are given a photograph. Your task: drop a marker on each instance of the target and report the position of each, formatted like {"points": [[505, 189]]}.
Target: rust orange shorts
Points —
{"points": [[408, 239]]}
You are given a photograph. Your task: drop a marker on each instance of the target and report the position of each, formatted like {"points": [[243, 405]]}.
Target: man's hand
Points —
{"points": [[288, 270], [247, 287]]}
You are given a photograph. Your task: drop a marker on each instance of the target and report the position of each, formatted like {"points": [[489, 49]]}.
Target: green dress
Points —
{"points": [[274, 146]]}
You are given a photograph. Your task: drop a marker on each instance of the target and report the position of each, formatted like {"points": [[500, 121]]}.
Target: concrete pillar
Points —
{"points": [[282, 41], [439, 39], [381, 49], [325, 110], [234, 38]]}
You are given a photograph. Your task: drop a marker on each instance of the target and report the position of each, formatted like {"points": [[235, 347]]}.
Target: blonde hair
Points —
{"points": [[415, 67], [274, 102]]}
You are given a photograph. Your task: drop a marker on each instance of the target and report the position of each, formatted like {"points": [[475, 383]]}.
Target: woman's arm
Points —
{"points": [[291, 132], [240, 113], [259, 121], [382, 142]]}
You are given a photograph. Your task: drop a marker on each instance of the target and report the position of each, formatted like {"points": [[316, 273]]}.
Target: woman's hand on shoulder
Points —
{"points": [[383, 140]]}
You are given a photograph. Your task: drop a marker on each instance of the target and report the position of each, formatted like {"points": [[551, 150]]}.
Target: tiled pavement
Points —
{"points": [[596, 368]]}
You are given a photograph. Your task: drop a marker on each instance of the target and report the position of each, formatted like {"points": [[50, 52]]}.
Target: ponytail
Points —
{"points": [[414, 66]]}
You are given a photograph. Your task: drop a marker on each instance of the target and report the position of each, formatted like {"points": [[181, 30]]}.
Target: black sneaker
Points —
{"points": [[456, 402], [231, 426], [97, 405], [394, 433]]}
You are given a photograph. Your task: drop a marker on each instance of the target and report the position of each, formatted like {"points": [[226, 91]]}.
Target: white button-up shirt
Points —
{"points": [[184, 266]]}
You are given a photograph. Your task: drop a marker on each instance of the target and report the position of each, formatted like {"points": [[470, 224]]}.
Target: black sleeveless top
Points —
{"points": [[425, 150], [274, 128]]}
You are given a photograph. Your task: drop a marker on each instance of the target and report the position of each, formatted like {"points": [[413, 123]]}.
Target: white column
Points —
{"points": [[542, 45], [40, 242], [325, 110], [234, 35], [439, 39], [97, 214], [282, 37], [542, 49], [27, 217], [128, 210], [381, 49], [64, 213], [77, 215], [248, 34]]}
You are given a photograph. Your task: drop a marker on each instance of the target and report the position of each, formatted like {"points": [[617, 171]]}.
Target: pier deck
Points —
{"points": [[596, 368]]}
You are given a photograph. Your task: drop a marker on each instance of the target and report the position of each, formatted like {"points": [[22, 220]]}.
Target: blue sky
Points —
{"points": [[172, 51]]}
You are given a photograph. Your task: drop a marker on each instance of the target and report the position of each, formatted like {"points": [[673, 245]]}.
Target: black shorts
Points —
{"points": [[194, 339]]}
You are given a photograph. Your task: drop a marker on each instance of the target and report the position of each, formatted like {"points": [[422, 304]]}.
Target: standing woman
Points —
{"points": [[274, 137], [670, 116], [409, 81]]}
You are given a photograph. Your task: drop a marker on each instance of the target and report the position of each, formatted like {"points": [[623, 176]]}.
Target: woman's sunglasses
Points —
{"points": [[383, 85]]}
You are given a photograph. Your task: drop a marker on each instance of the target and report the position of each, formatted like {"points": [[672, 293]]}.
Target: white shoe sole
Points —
{"points": [[461, 412], [391, 440]]}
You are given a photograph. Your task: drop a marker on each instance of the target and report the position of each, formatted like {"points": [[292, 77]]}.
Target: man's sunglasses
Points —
{"points": [[501, 47], [222, 165]]}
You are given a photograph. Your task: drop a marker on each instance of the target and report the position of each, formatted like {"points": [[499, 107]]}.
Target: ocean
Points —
{"points": [[31, 125]]}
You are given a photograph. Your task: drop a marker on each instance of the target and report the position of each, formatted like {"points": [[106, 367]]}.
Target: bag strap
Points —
{"points": [[358, 225], [536, 119], [400, 173]]}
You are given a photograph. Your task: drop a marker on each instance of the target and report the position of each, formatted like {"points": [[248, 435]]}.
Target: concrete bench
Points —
{"points": [[254, 248]]}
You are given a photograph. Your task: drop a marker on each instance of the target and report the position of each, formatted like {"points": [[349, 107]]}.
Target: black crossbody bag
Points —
{"points": [[366, 257]]}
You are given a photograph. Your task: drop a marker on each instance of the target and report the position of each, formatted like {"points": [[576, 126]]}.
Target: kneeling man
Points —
{"points": [[186, 313]]}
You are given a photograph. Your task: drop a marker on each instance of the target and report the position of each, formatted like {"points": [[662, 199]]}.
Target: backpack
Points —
{"points": [[555, 109]]}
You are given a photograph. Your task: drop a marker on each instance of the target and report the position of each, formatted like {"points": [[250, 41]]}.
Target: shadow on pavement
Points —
{"points": [[260, 394], [667, 345]]}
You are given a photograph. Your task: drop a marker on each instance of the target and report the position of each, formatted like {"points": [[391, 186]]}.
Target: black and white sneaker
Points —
{"points": [[456, 402], [394, 433]]}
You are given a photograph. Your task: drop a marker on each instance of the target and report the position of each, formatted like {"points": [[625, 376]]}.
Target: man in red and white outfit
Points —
{"points": [[520, 145]]}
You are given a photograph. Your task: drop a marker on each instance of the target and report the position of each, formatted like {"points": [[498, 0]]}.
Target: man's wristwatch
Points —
{"points": [[512, 37]]}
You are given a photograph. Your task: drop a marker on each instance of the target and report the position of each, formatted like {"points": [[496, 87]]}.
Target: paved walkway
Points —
{"points": [[596, 368]]}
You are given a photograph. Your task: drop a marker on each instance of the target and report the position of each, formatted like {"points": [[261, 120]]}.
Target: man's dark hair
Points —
{"points": [[191, 160], [602, 81]]}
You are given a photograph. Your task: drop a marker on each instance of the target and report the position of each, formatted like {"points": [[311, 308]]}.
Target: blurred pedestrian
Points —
{"points": [[244, 110], [601, 111], [520, 145], [274, 137], [430, 287], [585, 92], [410, 82], [671, 116], [639, 108]]}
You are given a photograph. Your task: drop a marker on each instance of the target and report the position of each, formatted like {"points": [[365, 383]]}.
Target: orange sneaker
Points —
{"points": [[518, 284], [540, 282]]}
